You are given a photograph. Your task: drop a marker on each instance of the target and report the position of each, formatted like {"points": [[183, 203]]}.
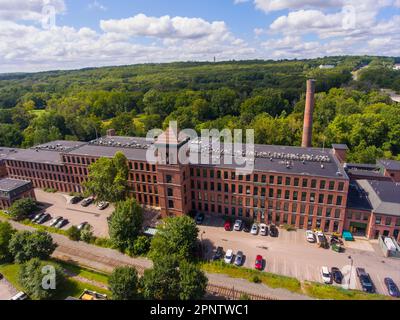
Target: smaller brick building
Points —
{"points": [[373, 209], [12, 190]]}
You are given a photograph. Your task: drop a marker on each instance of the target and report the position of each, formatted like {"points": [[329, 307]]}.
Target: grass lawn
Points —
{"points": [[71, 288], [269, 279], [320, 291]]}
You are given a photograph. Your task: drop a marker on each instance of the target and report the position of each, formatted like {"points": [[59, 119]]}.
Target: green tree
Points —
{"points": [[123, 283], [108, 178], [10, 136], [171, 279], [25, 245], [125, 224], [73, 233], [141, 246], [193, 281], [6, 233], [175, 237], [22, 208], [86, 234], [31, 278]]}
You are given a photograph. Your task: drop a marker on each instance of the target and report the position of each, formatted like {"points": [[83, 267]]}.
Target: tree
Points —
{"points": [[32, 277], [193, 281], [123, 283], [171, 279], [10, 136], [6, 233], [125, 224], [27, 245], [141, 246], [22, 208], [73, 233], [108, 178], [162, 281], [176, 236]]}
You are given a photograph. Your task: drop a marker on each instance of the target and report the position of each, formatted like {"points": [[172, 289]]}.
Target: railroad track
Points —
{"points": [[233, 294]]}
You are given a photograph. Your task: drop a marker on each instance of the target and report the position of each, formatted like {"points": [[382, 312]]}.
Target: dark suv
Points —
{"points": [[365, 280]]}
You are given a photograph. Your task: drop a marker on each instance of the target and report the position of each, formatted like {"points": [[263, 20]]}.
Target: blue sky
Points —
{"points": [[91, 33]]}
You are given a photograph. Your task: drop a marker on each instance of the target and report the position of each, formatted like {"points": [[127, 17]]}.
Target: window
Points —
{"points": [[341, 186], [169, 178], [378, 220], [304, 196], [313, 183], [296, 182], [295, 195], [339, 200], [305, 183], [271, 179], [321, 198], [287, 181], [256, 178], [388, 221], [331, 185], [170, 204], [279, 180], [322, 184], [330, 199]]}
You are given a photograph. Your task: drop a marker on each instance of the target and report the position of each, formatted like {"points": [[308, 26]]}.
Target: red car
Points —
{"points": [[227, 226], [259, 263]]}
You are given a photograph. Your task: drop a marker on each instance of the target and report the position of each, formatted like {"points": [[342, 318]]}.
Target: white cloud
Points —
{"points": [[276, 5], [165, 27], [30, 10], [96, 5]]}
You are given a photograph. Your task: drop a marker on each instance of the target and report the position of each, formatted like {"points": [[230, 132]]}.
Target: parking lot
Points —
{"points": [[291, 255], [58, 204], [7, 291]]}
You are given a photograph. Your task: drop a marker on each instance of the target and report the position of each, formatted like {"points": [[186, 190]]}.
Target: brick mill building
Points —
{"points": [[301, 186]]}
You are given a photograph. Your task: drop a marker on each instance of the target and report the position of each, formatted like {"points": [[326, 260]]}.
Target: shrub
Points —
{"points": [[22, 208], [50, 190], [6, 232], [74, 234], [103, 242], [288, 227], [244, 297], [256, 279], [86, 234]]}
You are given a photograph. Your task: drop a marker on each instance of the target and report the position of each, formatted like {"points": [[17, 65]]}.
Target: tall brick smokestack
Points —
{"points": [[308, 115]]}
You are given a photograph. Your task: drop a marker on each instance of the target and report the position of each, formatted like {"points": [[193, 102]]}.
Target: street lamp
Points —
{"points": [[351, 269]]}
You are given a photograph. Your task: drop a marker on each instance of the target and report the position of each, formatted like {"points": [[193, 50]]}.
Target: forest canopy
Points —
{"points": [[267, 96]]}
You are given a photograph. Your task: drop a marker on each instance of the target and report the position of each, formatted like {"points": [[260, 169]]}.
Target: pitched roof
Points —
{"points": [[384, 196]]}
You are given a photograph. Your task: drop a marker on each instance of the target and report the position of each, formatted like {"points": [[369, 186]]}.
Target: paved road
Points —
{"points": [[107, 259]]}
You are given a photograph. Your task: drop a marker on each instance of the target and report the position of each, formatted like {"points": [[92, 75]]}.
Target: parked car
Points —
{"points": [[55, 221], [337, 275], [218, 254], [87, 202], [228, 256], [37, 217], [103, 205], [321, 240], [254, 229], [326, 275], [263, 229], [238, 225], [259, 263], [82, 225], [76, 199], [199, 218], [246, 227], [310, 236], [365, 280], [392, 288], [228, 226], [20, 296], [44, 218], [239, 259], [60, 224], [273, 231]]}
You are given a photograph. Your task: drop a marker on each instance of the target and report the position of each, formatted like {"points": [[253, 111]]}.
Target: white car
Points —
{"points": [[238, 225], [326, 275], [20, 296], [228, 256], [310, 236], [263, 229], [254, 229]]}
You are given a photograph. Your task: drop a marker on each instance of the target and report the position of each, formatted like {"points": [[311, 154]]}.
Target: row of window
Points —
{"points": [[272, 179], [35, 166], [312, 197]]}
